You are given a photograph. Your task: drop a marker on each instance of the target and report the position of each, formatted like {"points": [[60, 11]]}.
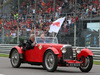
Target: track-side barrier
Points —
{"points": [[5, 49]]}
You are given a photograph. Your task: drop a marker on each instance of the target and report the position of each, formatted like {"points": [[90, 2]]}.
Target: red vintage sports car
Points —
{"points": [[50, 54]]}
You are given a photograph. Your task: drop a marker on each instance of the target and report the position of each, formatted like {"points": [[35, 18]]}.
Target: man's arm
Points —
{"points": [[30, 45]]}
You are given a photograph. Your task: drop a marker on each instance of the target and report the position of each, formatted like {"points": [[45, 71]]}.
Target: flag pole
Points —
{"points": [[3, 25], [35, 19], [18, 25], [56, 34], [75, 25], [54, 15]]}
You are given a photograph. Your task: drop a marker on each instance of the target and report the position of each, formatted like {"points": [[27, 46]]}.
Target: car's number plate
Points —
{"points": [[74, 64]]}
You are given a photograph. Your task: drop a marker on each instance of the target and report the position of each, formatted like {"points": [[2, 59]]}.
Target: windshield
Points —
{"points": [[46, 40]]}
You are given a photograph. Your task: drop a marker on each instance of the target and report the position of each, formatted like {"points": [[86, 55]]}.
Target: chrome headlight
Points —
{"points": [[63, 49], [78, 50]]}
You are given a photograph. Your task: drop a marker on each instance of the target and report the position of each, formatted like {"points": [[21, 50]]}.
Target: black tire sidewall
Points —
{"points": [[19, 62], [55, 63], [90, 65]]}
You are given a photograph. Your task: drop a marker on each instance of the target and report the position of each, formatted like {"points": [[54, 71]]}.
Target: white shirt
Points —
{"points": [[28, 29], [33, 11], [94, 10], [69, 21], [13, 34]]}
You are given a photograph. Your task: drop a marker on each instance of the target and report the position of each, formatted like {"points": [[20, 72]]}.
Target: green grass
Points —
{"points": [[4, 55], [96, 62]]}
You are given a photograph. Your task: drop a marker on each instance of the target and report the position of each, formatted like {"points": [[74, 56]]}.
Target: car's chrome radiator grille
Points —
{"points": [[68, 54]]}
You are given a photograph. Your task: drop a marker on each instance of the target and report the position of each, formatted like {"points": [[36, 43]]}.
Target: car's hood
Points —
{"points": [[47, 45]]}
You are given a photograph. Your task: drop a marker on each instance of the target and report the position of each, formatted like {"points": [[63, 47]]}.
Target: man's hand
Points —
{"points": [[33, 44]]}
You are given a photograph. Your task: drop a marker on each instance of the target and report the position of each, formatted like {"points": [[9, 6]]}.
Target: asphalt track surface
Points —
{"points": [[26, 69]]}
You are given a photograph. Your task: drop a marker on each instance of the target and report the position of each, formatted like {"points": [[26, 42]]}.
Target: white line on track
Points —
{"points": [[1, 74]]}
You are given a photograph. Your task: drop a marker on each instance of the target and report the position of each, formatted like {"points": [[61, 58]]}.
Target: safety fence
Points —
{"points": [[5, 49], [95, 50]]}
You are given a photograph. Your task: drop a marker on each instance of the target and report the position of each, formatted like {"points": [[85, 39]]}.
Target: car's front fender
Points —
{"points": [[54, 50], [19, 49], [85, 52]]}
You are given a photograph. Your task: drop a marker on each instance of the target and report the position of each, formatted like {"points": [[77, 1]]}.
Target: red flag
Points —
{"points": [[43, 3], [48, 10]]}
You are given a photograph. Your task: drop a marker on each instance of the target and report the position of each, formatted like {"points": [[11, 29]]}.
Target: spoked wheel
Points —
{"points": [[50, 61], [87, 64], [15, 59]]}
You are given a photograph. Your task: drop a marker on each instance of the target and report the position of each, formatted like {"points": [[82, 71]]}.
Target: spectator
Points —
{"points": [[94, 11]]}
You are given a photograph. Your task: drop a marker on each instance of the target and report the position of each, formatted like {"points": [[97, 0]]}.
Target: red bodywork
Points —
{"points": [[37, 54], [84, 52]]}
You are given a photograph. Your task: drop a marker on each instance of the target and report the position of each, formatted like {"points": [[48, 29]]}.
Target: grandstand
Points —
{"points": [[87, 11]]}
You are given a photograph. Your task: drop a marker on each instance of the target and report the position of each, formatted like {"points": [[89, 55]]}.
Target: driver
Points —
{"points": [[30, 44]]}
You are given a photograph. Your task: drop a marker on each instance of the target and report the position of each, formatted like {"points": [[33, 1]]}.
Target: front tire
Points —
{"points": [[15, 59], [87, 64], [50, 61]]}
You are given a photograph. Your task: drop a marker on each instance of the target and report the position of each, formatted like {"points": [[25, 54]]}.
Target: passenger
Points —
{"points": [[45, 40], [42, 37]]}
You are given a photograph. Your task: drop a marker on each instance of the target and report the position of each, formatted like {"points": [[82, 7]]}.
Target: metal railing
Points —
{"points": [[95, 50], [5, 49]]}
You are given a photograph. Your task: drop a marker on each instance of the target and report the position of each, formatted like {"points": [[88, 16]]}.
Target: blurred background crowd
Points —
{"points": [[45, 16]]}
